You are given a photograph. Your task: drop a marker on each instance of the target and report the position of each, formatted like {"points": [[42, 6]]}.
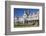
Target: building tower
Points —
{"points": [[24, 15]]}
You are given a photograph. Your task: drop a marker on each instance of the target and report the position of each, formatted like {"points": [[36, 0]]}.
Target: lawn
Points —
{"points": [[34, 24]]}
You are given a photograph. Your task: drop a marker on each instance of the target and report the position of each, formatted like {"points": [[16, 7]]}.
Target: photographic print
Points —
{"points": [[24, 17]]}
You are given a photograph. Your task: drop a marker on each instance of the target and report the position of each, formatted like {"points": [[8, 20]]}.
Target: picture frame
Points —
{"points": [[16, 8]]}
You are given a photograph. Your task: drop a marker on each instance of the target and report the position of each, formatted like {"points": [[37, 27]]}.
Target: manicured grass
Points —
{"points": [[26, 25]]}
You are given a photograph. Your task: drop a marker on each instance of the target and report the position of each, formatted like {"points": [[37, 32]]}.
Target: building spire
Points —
{"points": [[24, 12]]}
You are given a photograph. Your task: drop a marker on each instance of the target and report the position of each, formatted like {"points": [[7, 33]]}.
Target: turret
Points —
{"points": [[24, 15]]}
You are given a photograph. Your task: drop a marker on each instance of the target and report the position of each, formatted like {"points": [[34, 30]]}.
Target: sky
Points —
{"points": [[20, 11]]}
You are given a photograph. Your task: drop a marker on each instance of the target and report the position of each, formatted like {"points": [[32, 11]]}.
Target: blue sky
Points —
{"points": [[20, 11]]}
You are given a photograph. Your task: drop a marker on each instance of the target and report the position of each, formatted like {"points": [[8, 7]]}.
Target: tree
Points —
{"points": [[17, 19], [27, 13]]}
